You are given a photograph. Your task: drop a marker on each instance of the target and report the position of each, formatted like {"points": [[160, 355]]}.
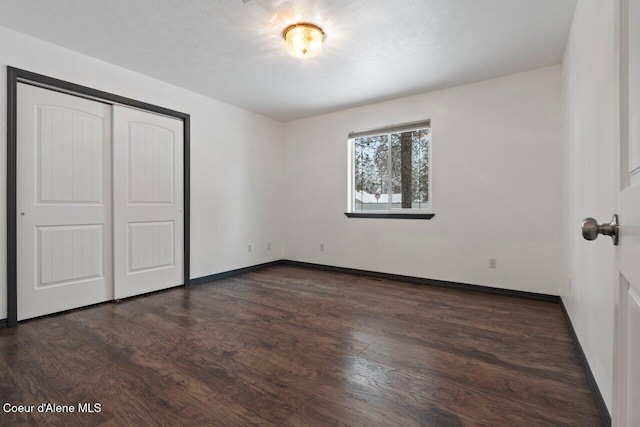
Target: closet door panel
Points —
{"points": [[63, 202], [148, 202]]}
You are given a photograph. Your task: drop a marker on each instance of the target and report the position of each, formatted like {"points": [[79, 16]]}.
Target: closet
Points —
{"points": [[100, 201]]}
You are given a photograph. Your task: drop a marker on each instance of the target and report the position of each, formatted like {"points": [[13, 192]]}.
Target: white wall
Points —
{"points": [[496, 187], [590, 182], [236, 158]]}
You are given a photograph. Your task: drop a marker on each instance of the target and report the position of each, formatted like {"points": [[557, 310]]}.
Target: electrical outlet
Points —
{"points": [[569, 284], [249, 248], [493, 262], [321, 247], [268, 246]]}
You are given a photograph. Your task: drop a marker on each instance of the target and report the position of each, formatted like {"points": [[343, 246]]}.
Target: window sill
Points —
{"points": [[390, 215]]}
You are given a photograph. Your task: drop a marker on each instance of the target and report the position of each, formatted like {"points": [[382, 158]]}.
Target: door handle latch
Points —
{"points": [[591, 229]]}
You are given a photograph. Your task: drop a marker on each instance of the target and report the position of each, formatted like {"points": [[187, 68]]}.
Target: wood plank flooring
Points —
{"points": [[293, 346]]}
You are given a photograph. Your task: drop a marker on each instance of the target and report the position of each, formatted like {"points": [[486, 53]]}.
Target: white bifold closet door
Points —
{"points": [[63, 202], [148, 201]]}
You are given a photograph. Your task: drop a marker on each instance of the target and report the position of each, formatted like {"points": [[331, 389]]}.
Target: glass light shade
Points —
{"points": [[304, 40]]}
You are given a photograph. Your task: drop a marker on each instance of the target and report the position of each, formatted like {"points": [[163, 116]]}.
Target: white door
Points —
{"points": [[63, 202], [148, 204], [626, 411]]}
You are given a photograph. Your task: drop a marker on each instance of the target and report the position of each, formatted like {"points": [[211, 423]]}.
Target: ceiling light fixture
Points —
{"points": [[304, 40]]}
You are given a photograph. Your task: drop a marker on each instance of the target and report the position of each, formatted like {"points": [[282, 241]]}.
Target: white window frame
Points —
{"points": [[388, 130]]}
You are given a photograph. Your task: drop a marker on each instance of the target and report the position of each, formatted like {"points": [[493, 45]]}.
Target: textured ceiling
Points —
{"points": [[233, 51]]}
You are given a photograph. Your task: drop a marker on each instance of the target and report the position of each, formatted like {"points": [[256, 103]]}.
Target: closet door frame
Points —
{"points": [[15, 76]]}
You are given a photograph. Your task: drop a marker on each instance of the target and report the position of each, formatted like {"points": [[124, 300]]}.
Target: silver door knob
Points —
{"points": [[591, 229]]}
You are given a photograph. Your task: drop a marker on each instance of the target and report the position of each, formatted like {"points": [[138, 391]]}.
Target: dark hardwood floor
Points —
{"points": [[293, 346]]}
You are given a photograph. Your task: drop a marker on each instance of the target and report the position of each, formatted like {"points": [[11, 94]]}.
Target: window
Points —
{"points": [[391, 170]]}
